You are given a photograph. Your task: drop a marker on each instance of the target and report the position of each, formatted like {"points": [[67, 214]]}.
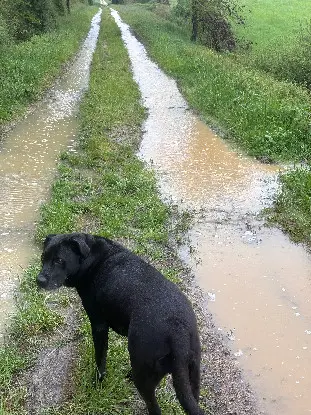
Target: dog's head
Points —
{"points": [[62, 257]]}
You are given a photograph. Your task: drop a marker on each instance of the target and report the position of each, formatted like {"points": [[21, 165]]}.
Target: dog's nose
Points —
{"points": [[42, 281]]}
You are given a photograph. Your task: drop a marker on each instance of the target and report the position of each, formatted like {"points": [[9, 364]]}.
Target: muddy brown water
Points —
{"points": [[257, 281], [28, 157]]}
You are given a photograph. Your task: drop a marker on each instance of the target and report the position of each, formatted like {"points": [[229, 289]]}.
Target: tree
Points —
{"points": [[211, 23]]}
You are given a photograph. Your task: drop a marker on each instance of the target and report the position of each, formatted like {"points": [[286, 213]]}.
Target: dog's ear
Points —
{"points": [[48, 239], [79, 244]]}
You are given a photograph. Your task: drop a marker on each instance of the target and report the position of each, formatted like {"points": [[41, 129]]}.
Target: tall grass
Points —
{"points": [[27, 68]]}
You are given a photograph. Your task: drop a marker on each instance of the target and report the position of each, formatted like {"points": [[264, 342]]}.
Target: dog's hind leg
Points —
{"points": [[146, 383]]}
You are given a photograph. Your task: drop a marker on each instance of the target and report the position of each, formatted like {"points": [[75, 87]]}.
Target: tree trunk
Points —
{"points": [[194, 19]]}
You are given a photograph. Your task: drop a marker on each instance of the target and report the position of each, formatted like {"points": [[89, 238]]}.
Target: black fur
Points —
{"points": [[120, 290]]}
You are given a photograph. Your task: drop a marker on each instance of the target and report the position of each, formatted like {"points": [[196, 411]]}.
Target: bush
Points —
{"points": [[298, 60], [5, 37], [28, 18], [212, 23], [182, 11], [290, 61]]}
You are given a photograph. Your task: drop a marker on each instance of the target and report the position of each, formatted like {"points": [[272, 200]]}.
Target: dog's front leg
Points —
{"points": [[100, 339]]}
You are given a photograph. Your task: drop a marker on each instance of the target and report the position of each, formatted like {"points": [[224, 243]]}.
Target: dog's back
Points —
{"points": [[158, 320]]}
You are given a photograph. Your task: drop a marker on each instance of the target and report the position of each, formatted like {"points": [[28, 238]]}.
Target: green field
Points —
{"points": [[274, 23], [280, 32]]}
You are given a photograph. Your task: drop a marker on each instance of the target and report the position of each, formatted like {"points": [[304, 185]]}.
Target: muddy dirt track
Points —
{"points": [[256, 345]]}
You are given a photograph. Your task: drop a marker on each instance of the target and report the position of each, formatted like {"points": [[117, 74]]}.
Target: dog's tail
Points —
{"points": [[186, 371]]}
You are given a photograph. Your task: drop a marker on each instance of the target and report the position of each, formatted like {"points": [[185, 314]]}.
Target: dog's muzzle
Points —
{"points": [[42, 280]]}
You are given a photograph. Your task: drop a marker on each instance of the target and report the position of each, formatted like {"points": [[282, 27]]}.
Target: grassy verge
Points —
{"points": [[102, 189], [265, 117], [28, 68], [32, 321]]}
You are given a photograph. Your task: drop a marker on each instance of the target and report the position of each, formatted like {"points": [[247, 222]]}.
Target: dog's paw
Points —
{"points": [[98, 377]]}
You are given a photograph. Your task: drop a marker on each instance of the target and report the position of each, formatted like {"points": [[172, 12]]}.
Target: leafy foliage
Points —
{"points": [[26, 18], [212, 23]]}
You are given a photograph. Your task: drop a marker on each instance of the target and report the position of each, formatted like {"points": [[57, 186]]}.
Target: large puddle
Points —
{"points": [[28, 158], [257, 281]]}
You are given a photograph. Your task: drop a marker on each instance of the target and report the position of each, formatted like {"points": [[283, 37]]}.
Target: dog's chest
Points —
{"points": [[116, 316]]}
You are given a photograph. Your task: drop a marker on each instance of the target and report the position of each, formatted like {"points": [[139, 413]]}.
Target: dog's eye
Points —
{"points": [[59, 261]]}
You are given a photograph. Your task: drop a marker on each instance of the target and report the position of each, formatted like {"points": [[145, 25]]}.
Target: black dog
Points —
{"points": [[120, 290]]}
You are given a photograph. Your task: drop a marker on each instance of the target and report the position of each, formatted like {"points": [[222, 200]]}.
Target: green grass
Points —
{"points": [[274, 23], [292, 208], [275, 29], [28, 68], [103, 189], [263, 116]]}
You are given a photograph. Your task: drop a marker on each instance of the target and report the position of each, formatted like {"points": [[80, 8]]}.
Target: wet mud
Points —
{"points": [[256, 282], [28, 157], [50, 381]]}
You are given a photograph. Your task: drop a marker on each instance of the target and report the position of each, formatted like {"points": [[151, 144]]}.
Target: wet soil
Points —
{"points": [[50, 381], [256, 283]]}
